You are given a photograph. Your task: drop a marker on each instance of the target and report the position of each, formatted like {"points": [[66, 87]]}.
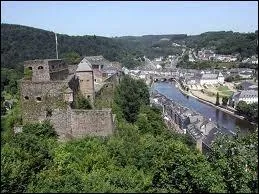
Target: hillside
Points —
{"points": [[20, 43], [225, 42]]}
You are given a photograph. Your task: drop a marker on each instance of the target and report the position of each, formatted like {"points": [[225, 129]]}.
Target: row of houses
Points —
{"points": [[251, 60], [203, 78], [202, 130], [211, 55]]}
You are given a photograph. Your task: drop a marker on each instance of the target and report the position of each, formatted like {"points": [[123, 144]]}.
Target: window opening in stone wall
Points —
{"points": [[87, 80], [52, 66], [26, 97], [30, 68], [38, 99], [40, 67], [95, 80], [88, 96]]}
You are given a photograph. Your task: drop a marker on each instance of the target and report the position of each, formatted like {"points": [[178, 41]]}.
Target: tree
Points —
{"points": [[242, 107], [180, 169], [235, 158], [186, 58], [129, 96], [72, 57], [25, 155], [217, 99], [224, 100], [81, 102], [248, 110], [27, 73]]}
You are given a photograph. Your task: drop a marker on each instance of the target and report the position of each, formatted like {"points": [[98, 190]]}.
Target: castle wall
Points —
{"points": [[40, 70], [92, 122], [37, 97], [59, 75], [58, 70], [61, 121], [46, 96]]}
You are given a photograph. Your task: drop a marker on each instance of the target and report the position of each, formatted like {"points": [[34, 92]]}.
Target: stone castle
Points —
{"points": [[50, 91]]}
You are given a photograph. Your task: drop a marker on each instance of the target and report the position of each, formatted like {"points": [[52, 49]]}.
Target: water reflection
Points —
{"points": [[221, 118]]}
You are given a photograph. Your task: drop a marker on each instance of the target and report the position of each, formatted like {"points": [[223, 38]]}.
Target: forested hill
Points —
{"points": [[19, 43], [225, 42]]}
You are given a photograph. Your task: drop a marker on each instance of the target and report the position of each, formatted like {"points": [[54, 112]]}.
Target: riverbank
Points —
{"points": [[209, 103]]}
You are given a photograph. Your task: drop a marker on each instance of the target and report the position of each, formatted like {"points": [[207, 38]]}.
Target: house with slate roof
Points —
{"points": [[249, 96]]}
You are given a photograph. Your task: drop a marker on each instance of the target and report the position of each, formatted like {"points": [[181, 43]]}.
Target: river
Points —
{"points": [[222, 119]]}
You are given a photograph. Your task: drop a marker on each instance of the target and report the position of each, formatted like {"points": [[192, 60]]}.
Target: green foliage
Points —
{"points": [[27, 73], [104, 99], [129, 96], [224, 100], [72, 57], [225, 42], [81, 102], [141, 156], [40, 130], [217, 99], [25, 155], [180, 169], [186, 58], [150, 121], [232, 78], [205, 64], [9, 78], [20, 43], [235, 158], [248, 110]]}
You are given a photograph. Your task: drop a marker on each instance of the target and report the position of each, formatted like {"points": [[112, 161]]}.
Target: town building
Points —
{"points": [[211, 78], [249, 96], [184, 120], [246, 85]]}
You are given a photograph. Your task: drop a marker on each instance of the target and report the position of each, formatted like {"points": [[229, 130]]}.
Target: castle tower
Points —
{"points": [[86, 79], [47, 69]]}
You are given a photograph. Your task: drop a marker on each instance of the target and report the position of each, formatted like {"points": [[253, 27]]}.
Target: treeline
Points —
{"points": [[225, 42], [142, 156], [20, 43]]}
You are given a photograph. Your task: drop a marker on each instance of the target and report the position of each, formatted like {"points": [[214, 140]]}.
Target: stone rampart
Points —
{"points": [[92, 122]]}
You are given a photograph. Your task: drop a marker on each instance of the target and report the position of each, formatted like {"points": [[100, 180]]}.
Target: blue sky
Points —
{"points": [[113, 18]]}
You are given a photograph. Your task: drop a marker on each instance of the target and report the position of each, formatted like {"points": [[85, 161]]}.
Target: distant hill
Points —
{"points": [[225, 42], [20, 43]]}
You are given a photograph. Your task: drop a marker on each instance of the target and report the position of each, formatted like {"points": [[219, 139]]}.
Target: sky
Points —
{"points": [[134, 18]]}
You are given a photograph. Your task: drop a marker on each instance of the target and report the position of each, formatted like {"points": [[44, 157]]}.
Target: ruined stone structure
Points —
{"points": [[50, 91], [86, 79]]}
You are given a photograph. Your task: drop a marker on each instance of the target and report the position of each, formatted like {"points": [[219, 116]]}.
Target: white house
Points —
{"points": [[211, 78], [249, 96]]}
